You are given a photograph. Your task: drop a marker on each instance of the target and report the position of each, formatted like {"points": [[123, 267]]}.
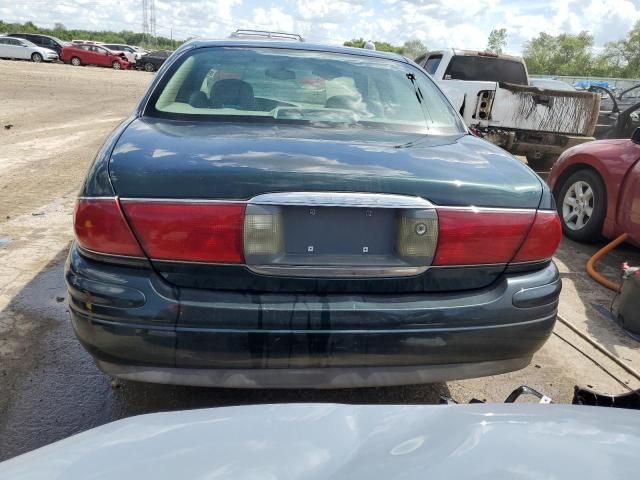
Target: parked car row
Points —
{"points": [[25, 50], [45, 48]]}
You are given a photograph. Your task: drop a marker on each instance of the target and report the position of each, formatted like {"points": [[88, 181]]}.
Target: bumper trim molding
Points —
{"points": [[316, 378]]}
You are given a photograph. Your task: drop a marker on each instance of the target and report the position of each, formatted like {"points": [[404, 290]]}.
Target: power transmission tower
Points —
{"points": [[145, 17], [152, 17]]}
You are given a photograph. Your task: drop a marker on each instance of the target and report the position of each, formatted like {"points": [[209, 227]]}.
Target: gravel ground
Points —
{"points": [[52, 121]]}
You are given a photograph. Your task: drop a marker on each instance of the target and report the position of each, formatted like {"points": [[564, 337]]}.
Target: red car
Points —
{"points": [[86, 54], [597, 189]]}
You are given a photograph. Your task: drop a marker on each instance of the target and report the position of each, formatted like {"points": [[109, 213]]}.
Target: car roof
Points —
{"points": [[473, 53], [33, 34], [201, 43]]}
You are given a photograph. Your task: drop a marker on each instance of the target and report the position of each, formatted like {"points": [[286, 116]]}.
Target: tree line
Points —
{"points": [[123, 37], [564, 54]]}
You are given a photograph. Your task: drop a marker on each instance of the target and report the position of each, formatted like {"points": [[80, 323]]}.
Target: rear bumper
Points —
{"points": [[319, 378], [526, 142], [138, 327]]}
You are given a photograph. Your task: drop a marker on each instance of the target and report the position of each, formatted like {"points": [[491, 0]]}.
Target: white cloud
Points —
{"points": [[438, 23]]}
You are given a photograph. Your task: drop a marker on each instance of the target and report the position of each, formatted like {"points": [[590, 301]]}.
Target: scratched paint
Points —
{"points": [[528, 108]]}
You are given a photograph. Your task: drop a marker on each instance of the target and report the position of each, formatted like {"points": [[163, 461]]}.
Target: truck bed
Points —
{"points": [[552, 111]]}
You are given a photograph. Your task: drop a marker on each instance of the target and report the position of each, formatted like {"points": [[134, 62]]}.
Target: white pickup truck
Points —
{"points": [[493, 95]]}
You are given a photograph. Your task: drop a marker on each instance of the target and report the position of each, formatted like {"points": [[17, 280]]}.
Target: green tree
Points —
{"points": [[413, 48], [564, 54], [497, 40], [624, 55], [381, 46]]}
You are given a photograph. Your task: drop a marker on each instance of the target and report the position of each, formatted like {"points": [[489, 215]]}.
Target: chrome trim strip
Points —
{"points": [[195, 262], [97, 198], [341, 199], [182, 200], [124, 257], [280, 199], [532, 262], [336, 272], [485, 209], [472, 265]]}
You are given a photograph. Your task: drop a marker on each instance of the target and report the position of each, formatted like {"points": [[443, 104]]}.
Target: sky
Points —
{"points": [[438, 23]]}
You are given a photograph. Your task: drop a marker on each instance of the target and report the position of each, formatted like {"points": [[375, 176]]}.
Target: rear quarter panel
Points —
{"points": [[628, 217], [611, 159]]}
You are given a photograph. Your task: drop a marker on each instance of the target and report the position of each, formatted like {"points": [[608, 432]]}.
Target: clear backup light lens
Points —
{"points": [[417, 234], [262, 233]]}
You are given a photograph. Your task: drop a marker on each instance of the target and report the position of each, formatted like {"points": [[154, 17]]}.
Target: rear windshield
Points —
{"points": [[486, 69], [291, 86]]}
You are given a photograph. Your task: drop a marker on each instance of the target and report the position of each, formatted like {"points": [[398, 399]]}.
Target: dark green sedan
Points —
{"points": [[283, 214]]}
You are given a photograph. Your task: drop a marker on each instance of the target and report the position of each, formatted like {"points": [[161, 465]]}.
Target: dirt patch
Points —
{"points": [[59, 116]]}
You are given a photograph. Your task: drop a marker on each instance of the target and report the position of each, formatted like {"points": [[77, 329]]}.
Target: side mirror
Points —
{"points": [[635, 136]]}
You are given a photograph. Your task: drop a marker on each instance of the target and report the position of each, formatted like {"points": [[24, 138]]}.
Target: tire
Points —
{"points": [[36, 57], [582, 206], [149, 67], [75, 61], [116, 65], [541, 162]]}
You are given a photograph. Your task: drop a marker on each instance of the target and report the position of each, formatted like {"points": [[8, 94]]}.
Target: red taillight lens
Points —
{"points": [[194, 232], [474, 237], [543, 239], [100, 227]]}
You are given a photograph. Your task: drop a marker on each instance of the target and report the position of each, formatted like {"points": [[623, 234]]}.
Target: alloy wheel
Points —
{"points": [[577, 205]]}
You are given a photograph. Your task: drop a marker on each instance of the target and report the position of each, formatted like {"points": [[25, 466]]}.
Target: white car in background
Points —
{"points": [[25, 50], [130, 52]]}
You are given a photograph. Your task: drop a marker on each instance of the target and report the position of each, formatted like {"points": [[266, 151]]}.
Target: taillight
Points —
{"points": [[100, 227], [193, 232], [475, 237], [543, 239]]}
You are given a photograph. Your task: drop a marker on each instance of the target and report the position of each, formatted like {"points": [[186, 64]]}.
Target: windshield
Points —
{"points": [[316, 88], [486, 69], [59, 42]]}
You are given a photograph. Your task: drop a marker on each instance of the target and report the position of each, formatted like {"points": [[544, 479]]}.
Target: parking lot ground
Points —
{"points": [[49, 386]]}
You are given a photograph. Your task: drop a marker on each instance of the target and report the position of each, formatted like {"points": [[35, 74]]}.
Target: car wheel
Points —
{"points": [[36, 57], [149, 67], [582, 205], [116, 65], [75, 61], [541, 162]]}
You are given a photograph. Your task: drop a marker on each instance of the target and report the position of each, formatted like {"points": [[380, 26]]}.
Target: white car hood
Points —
{"points": [[327, 441]]}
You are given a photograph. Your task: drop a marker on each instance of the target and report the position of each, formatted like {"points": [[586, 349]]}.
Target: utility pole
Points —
{"points": [[149, 18], [152, 17], [145, 18]]}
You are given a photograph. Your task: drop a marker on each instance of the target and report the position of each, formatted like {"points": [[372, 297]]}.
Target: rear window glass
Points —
{"points": [[432, 64], [486, 69], [316, 88]]}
